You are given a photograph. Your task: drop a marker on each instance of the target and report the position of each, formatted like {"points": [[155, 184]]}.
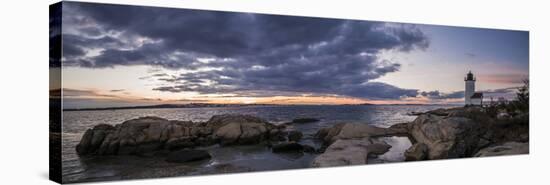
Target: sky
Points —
{"points": [[131, 55]]}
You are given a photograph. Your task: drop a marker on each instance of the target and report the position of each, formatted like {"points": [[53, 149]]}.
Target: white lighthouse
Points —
{"points": [[470, 95], [470, 88]]}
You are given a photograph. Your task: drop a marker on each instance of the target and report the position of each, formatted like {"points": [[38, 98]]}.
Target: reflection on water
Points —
{"points": [[396, 152], [224, 159]]}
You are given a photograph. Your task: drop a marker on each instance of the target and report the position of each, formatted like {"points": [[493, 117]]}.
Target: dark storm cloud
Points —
{"points": [[70, 51], [241, 53], [430, 93], [438, 95], [55, 13]]}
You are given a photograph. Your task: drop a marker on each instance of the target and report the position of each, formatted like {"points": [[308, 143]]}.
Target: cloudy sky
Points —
{"points": [[130, 55]]}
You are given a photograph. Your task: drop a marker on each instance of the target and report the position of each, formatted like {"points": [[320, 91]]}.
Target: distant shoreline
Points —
{"points": [[207, 105]]}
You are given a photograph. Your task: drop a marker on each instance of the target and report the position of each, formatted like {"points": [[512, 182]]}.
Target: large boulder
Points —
{"points": [[345, 152], [445, 136], [218, 121], [241, 129], [142, 135], [509, 148], [93, 138], [352, 131], [148, 134], [229, 133]]}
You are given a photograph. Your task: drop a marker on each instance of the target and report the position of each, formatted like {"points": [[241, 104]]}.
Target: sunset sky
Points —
{"points": [[130, 55]]}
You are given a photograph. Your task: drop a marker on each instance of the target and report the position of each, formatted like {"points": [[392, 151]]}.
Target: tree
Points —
{"points": [[522, 96]]}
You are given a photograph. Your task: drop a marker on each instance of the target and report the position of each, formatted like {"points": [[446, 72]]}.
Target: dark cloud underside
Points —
{"points": [[240, 53]]}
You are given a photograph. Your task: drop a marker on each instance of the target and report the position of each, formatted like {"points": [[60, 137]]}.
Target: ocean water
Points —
{"points": [[225, 159]]}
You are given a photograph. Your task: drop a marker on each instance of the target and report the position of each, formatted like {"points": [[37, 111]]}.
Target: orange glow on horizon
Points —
{"points": [[97, 95]]}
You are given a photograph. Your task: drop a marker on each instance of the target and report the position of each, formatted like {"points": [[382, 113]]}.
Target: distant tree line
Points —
{"points": [[519, 105]]}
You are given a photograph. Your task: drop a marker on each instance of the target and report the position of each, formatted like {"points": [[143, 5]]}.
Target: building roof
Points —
{"points": [[477, 95]]}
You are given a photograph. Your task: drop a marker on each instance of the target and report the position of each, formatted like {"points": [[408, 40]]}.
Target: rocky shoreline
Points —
{"points": [[438, 134]]}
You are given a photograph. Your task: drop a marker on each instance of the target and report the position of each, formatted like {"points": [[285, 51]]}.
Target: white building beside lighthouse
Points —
{"points": [[470, 96]]}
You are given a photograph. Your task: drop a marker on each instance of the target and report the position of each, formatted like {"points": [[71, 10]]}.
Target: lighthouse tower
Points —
{"points": [[470, 88]]}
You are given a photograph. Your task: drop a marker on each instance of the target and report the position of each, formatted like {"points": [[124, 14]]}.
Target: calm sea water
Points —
{"points": [[225, 159]]}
